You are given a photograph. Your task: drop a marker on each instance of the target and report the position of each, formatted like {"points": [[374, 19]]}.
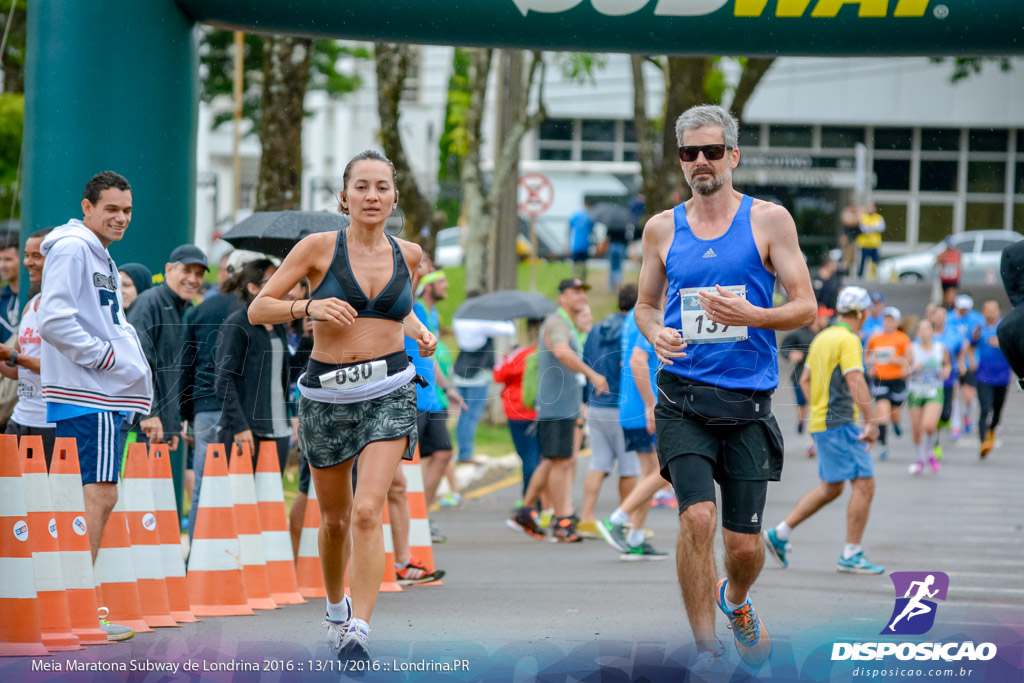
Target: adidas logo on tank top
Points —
{"points": [[710, 253]]}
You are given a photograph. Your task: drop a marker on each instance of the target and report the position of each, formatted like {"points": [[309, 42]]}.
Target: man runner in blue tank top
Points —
{"points": [[718, 256]]}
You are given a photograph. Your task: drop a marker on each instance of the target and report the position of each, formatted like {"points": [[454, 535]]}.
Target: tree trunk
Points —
{"points": [[479, 214], [393, 60], [647, 152], [753, 72], [285, 74]]}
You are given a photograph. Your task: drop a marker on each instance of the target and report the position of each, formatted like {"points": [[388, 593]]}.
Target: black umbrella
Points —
{"points": [[507, 304], [276, 232], [615, 217]]}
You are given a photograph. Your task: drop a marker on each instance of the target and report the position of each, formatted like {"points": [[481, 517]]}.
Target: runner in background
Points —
{"points": [[888, 359], [930, 368]]}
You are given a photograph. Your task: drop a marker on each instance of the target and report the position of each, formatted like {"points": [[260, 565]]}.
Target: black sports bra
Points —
{"points": [[394, 302]]}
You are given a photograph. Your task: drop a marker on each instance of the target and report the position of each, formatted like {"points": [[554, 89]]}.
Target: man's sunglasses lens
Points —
{"points": [[711, 152]]}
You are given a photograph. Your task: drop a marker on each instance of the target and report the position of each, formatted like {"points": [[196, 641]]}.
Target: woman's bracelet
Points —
{"points": [[291, 310], [308, 302]]}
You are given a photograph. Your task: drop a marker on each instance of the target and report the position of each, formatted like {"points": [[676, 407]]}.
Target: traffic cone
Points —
{"points": [[307, 566], [54, 620], [168, 530], [73, 538], [116, 584], [137, 486], [20, 634], [216, 583], [389, 584], [250, 536], [277, 542], [420, 544]]}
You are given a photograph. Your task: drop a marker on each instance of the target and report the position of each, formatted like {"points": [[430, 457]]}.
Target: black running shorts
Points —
{"points": [[555, 437], [433, 431]]}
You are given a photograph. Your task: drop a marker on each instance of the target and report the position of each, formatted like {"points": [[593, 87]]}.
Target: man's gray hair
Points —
{"points": [[709, 115]]}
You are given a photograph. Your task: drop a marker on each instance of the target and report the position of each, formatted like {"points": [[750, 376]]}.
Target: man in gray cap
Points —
{"points": [[157, 317]]}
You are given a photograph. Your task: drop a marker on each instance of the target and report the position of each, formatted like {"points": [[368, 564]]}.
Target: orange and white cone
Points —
{"points": [[137, 488], [420, 544], [73, 537], [389, 584], [20, 634], [54, 619], [168, 530], [277, 542], [307, 566], [250, 536], [216, 583], [116, 584]]}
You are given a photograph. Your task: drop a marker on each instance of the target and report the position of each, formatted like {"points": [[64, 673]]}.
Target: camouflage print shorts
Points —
{"points": [[331, 433]]}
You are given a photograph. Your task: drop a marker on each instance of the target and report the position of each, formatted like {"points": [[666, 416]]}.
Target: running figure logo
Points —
{"points": [[914, 612]]}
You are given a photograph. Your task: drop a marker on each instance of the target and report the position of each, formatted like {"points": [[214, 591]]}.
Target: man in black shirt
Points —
{"points": [[795, 346]]}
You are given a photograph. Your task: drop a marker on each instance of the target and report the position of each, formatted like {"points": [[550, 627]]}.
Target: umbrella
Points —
{"points": [[615, 217], [276, 232], [507, 304]]}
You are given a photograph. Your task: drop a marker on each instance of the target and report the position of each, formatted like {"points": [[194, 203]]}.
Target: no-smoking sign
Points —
{"points": [[536, 194]]}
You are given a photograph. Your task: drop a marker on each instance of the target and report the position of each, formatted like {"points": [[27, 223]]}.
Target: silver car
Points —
{"points": [[980, 251]]}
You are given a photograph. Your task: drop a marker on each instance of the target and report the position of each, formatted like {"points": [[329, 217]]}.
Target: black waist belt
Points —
{"points": [[718, 405], [397, 362]]}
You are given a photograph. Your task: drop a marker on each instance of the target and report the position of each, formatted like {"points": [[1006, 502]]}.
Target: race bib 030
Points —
{"points": [[696, 328], [355, 375]]}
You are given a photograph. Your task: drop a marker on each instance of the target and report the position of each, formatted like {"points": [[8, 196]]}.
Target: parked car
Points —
{"points": [[980, 251], [449, 250]]}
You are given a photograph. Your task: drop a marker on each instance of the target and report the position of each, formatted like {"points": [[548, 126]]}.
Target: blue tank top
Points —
{"points": [[394, 302], [732, 259]]}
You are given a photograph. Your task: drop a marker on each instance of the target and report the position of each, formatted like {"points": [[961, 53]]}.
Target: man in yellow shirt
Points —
{"points": [[872, 225], [833, 379]]}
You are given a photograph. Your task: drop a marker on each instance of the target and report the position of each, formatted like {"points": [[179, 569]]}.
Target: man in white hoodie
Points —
{"points": [[92, 367]]}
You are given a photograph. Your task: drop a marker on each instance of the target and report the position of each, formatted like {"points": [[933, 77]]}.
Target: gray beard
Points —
{"points": [[708, 187]]}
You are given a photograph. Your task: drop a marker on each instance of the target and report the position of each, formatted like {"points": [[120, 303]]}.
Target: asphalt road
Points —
{"points": [[513, 607]]}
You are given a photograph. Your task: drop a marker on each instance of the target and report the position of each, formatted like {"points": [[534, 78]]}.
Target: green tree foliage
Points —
{"points": [[14, 49], [12, 116], [454, 143], [964, 67], [216, 59]]}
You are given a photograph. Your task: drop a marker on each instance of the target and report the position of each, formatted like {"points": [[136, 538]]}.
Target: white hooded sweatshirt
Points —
{"points": [[91, 356]]}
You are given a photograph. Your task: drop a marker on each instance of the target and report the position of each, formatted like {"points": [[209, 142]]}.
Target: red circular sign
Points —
{"points": [[536, 194]]}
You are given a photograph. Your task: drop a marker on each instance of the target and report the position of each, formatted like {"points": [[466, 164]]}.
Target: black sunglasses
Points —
{"points": [[711, 152]]}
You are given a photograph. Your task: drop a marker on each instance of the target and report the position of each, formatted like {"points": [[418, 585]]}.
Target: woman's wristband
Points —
{"points": [[291, 309], [308, 302]]}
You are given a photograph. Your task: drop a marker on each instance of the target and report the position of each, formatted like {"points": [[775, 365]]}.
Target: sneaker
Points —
{"points": [[884, 453], [954, 434], [752, 640], [588, 529], [336, 629], [114, 632], [546, 519], [812, 451], [937, 452], [451, 500], [708, 665], [643, 552], [355, 644], [917, 467], [565, 532], [988, 444], [896, 429], [435, 534], [934, 463], [663, 499], [967, 425], [525, 521], [614, 534], [778, 548], [858, 564], [800, 427], [414, 572]]}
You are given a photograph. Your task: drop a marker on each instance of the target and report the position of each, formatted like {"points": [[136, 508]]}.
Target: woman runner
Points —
{"points": [[357, 393], [931, 367]]}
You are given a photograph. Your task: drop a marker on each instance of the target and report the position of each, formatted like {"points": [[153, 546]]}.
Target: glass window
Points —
{"points": [[789, 136], [936, 223], [895, 216], [1020, 140], [598, 130], [1019, 185], [892, 174], [893, 138], [986, 176], [995, 244], [940, 139], [938, 176], [555, 154], [840, 137], [628, 131], [629, 155], [984, 216], [597, 155], [750, 136], [987, 140], [1018, 217], [965, 244], [556, 129]]}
